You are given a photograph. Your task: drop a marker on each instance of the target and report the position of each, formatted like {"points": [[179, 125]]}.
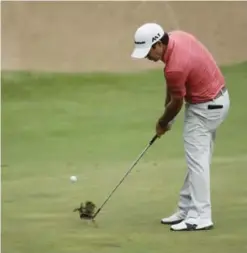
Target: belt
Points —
{"points": [[219, 94]]}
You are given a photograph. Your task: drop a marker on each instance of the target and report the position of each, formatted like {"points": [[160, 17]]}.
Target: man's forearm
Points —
{"points": [[171, 111], [168, 98]]}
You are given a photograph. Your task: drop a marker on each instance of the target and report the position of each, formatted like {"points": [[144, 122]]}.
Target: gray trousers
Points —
{"points": [[200, 125]]}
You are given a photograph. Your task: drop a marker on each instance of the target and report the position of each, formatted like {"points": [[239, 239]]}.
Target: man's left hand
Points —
{"points": [[160, 130]]}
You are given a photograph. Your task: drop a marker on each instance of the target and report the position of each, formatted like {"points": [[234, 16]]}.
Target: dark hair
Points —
{"points": [[164, 40]]}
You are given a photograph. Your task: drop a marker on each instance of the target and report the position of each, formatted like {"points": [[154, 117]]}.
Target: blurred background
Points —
{"points": [[98, 36]]}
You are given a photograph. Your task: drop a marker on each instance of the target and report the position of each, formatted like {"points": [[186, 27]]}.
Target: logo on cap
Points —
{"points": [[155, 37], [140, 42]]}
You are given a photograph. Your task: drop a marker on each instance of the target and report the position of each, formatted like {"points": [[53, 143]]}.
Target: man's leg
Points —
{"points": [[197, 144], [213, 137], [197, 149], [185, 198], [184, 203], [200, 128]]}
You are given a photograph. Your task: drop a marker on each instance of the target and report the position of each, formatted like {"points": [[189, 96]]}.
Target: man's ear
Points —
{"points": [[160, 43]]}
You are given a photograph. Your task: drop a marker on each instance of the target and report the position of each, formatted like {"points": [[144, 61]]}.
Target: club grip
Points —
{"points": [[153, 140]]}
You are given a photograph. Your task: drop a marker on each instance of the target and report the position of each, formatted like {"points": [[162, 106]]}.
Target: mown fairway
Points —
{"points": [[94, 126]]}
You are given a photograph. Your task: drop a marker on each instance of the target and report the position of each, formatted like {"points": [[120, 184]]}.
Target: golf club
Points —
{"points": [[85, 214]]}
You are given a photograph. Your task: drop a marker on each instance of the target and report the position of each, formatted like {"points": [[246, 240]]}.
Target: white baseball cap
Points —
{"points": [[145, 36]]}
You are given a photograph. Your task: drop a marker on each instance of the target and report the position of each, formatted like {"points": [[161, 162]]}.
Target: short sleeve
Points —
{"points": [[175, 81]]}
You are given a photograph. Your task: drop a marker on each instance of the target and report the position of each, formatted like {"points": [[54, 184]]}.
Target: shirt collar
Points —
{"points": [[169, 50]]}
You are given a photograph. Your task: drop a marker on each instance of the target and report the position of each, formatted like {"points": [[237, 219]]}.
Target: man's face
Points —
{"points": [[156, 52]]}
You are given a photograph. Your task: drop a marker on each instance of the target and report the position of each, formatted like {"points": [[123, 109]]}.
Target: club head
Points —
{"points": [[86, 212]]}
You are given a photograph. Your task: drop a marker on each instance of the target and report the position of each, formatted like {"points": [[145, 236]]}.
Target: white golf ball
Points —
{"points": [[73, 179]]}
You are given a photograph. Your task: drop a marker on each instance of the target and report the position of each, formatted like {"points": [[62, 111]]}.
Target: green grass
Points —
{"points": [[94, 126]]}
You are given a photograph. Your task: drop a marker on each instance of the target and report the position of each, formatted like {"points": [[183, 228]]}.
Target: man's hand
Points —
{"points": [[172, 109], [160, 129]]}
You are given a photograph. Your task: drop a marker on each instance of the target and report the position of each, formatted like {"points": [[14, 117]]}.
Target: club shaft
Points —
{"points": [[129, 170]]}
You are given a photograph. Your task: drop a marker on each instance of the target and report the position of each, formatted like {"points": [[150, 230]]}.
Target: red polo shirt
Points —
{"points": [[190, 70]]}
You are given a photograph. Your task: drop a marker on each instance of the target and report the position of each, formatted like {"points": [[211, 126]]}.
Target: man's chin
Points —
{"points": [[154, 60]]}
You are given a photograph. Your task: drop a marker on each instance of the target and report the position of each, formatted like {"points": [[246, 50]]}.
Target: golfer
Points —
{"points": [[192, 76]]}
